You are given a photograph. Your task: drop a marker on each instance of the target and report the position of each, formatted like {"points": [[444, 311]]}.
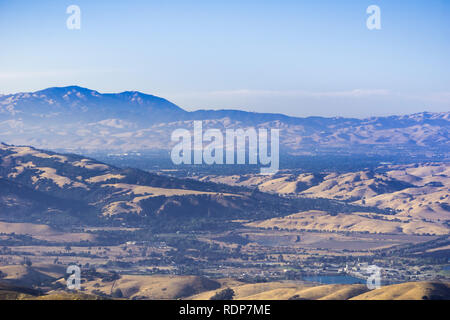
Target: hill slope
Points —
{"points": [[409, 291], [309, 291], [46, 187], [417, 196]]}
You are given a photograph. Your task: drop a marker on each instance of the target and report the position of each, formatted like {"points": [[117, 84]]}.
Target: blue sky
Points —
{"points": [[296, 57]]}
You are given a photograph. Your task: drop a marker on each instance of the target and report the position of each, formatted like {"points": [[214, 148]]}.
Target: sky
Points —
{"points": [[301, 58]]}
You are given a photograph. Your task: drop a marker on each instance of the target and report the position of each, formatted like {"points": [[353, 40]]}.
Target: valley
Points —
{"points": [[102, 194], [287, 232]]}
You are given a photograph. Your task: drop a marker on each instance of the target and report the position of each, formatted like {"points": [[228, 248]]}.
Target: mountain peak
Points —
{"points": [[66, 89], [137, 94]]}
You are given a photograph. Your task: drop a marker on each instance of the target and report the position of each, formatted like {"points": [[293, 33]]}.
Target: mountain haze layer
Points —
{"points": [[79, 119]]}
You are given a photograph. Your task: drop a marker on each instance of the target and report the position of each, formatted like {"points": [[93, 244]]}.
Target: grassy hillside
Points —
{"points": [[409, 291], [153, 287], [308, 291]]}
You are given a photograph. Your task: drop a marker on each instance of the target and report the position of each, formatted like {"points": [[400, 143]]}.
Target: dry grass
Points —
{"points": [[29, 276], [43, 232], [154, 287], [431, 183], [408, 291], [104, 178], [292, 290], [356, 222]]}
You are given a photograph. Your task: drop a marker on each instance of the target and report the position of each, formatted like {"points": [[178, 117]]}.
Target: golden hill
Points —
{"points": [[418, 193], [43, 232], [13, 292], [244, 290], [421, 191], [200, 288], [62, 295], [84, 190], [324, 292], [154, 287], [309, 291], [284, 290], [409, 291], [26, 276], [354, 222]]}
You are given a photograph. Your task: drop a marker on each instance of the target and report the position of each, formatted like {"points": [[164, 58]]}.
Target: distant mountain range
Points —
{"points": [[82, 120]]}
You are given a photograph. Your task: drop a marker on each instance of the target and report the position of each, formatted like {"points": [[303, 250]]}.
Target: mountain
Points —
{"points": [[46, 187], [83, 120], [87, 105]]}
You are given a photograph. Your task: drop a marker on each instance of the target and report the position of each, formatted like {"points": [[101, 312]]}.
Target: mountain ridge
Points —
{"points": [[78, 89], [84, 119]]}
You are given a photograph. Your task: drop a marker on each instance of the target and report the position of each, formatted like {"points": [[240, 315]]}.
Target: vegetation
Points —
{"points": [[225, 294]]}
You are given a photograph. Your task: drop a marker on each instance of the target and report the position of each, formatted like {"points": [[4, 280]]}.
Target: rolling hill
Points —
{"points": [[202, 288], [417, 195], [51, 188], [308, 291]]}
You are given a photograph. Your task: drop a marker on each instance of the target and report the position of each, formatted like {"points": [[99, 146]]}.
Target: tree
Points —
{"points": [[226, 294], [27, 262], [117, 294]]}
